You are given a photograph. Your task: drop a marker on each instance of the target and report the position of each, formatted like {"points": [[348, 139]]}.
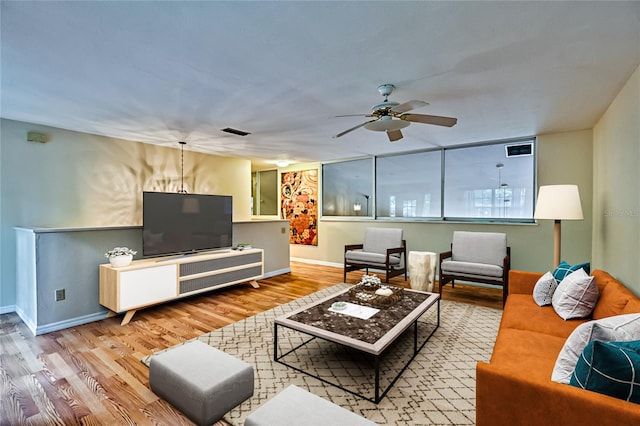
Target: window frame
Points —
{"points": [[442, 218]]}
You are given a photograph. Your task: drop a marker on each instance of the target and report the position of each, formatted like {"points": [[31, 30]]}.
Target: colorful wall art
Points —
{"points": [[299, 205]]}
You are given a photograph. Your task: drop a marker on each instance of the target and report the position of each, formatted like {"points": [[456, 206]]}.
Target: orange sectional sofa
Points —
{"points": [[515, 387]]}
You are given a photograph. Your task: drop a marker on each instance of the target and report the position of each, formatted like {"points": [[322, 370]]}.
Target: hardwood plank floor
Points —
{"points": [[92, 374]]}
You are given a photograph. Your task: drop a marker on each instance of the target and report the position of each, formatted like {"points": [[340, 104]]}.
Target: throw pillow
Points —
{"points": [[544, 289], [576, 296], [564, 269], [622, 328], [610, 368]]}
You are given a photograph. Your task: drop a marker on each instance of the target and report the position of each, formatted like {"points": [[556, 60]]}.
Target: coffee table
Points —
{"points": [[373, 337]]}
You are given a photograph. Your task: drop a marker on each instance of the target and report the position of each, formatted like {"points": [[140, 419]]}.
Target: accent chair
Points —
{"points": [[481, 257], [382, 248]]}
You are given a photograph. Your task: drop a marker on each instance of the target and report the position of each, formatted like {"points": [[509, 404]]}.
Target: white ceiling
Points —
{"points": [[159, 72]]}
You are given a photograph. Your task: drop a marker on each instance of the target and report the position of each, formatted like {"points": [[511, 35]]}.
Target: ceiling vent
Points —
{"points": [[519, 150], [235, 131]]}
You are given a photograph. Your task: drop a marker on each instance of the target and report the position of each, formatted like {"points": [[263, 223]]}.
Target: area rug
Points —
{"points": [[438, 387]]}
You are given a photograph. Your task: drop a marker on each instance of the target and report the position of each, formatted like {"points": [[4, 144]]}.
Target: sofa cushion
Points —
{"points": [[622, 328], [471, 269], [632, 307], [356, 256], [564, 269], [613, 296], [522, 313], [528, 353], [479, 247], [610, 368], [544, 289], [576, 296]]}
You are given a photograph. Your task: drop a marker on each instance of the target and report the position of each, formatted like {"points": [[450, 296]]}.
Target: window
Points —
{"points": [[483, 182], [347, 188], [488, 182], [408, 185]]}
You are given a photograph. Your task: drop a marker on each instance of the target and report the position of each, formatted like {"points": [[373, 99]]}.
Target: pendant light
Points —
{"points": [[182, 190]]}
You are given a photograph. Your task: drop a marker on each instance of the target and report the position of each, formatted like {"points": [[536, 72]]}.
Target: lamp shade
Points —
{"points": [[559, 202]]}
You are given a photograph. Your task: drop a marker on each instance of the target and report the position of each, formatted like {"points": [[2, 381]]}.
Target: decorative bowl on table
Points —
{"points": [[338, 306], [376, 295]]}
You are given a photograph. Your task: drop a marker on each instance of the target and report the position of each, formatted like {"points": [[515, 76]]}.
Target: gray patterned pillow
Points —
{"points": [[576, 296], [544, 289], [620, 328]]}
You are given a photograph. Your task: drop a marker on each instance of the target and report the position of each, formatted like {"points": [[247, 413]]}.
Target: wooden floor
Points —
{"points": [[92, 374]]}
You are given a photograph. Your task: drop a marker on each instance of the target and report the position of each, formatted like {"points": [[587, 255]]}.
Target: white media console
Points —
{"points": [[149, 282]]}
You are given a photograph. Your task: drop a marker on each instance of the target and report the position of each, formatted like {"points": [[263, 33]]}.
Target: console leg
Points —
{"points": [[128, 316], [254, 284], [111, 314]]}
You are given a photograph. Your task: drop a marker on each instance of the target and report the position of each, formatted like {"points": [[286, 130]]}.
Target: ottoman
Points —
{"points": [[297, 407], [202, 382]]}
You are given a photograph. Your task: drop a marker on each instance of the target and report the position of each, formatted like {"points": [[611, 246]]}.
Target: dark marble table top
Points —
{"points": [[369, 331]]}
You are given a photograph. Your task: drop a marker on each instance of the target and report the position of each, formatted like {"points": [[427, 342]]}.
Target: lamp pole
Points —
{"points": [[499, 166]]}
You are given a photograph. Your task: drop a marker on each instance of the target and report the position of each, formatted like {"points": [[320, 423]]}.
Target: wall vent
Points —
{"points": [[519, 150], [235, 131]]}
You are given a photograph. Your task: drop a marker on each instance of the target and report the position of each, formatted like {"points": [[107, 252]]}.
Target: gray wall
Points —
{"points": [[69, 259]]}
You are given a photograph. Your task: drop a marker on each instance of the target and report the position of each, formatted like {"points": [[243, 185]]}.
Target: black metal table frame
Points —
{"points": [[377, 395]]}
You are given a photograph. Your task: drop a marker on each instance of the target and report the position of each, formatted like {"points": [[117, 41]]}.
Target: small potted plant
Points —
{"points": [[120, 256], [370, 281]]}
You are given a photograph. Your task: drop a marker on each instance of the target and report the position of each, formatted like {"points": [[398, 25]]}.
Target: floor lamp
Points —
{"points": [[558, 202]]}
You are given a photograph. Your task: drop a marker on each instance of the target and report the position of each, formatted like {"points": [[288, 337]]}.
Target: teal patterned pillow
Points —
{"points": [[610, 368], [564, 269]]}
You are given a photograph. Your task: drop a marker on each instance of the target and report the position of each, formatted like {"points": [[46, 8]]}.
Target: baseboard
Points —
{"points": [[317, 262], [276, 272], [7, 309], [60, 325]]}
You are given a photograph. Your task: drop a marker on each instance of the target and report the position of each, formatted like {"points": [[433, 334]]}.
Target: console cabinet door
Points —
{"points": [[144, 287]]}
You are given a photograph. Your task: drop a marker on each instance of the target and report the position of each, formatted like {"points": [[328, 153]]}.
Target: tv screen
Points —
{"points": [[185, 223]]}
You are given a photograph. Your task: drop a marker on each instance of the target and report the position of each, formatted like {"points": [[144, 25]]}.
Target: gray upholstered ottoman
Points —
{"points": [[200, 381], [297, 407]]}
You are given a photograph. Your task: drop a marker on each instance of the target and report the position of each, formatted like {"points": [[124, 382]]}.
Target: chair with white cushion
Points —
{"points": [[382, 248], [481, 257]]}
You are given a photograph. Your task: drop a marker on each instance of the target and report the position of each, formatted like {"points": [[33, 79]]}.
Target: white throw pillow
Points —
{"points": [[544, 289], [576, 296], [620, 328]]}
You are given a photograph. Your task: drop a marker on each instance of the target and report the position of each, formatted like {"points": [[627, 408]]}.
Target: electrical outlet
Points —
{"points": [[60, 295], [283, 230]]}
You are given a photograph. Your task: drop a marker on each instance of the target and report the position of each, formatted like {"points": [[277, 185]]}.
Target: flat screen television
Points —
{"points": [[185, 223]]}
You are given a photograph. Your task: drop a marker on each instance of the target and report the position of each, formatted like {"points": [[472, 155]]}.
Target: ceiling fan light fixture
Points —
{"points": [[386, 124]]}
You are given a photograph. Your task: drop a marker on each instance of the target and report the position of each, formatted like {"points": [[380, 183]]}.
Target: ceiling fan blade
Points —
{"points": [[408, 106], [353, 128], [354, 115], [394, 135], [430, 119]]}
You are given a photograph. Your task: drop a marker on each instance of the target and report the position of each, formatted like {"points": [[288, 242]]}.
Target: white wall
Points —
{"points": [[616, 210], [78, 180]]}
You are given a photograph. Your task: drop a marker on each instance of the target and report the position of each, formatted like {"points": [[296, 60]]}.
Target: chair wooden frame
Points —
{"points": [[450, 278], [390, 270]]}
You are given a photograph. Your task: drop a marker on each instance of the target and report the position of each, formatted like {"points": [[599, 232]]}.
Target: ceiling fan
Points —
{"points": [[391, 116]]}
